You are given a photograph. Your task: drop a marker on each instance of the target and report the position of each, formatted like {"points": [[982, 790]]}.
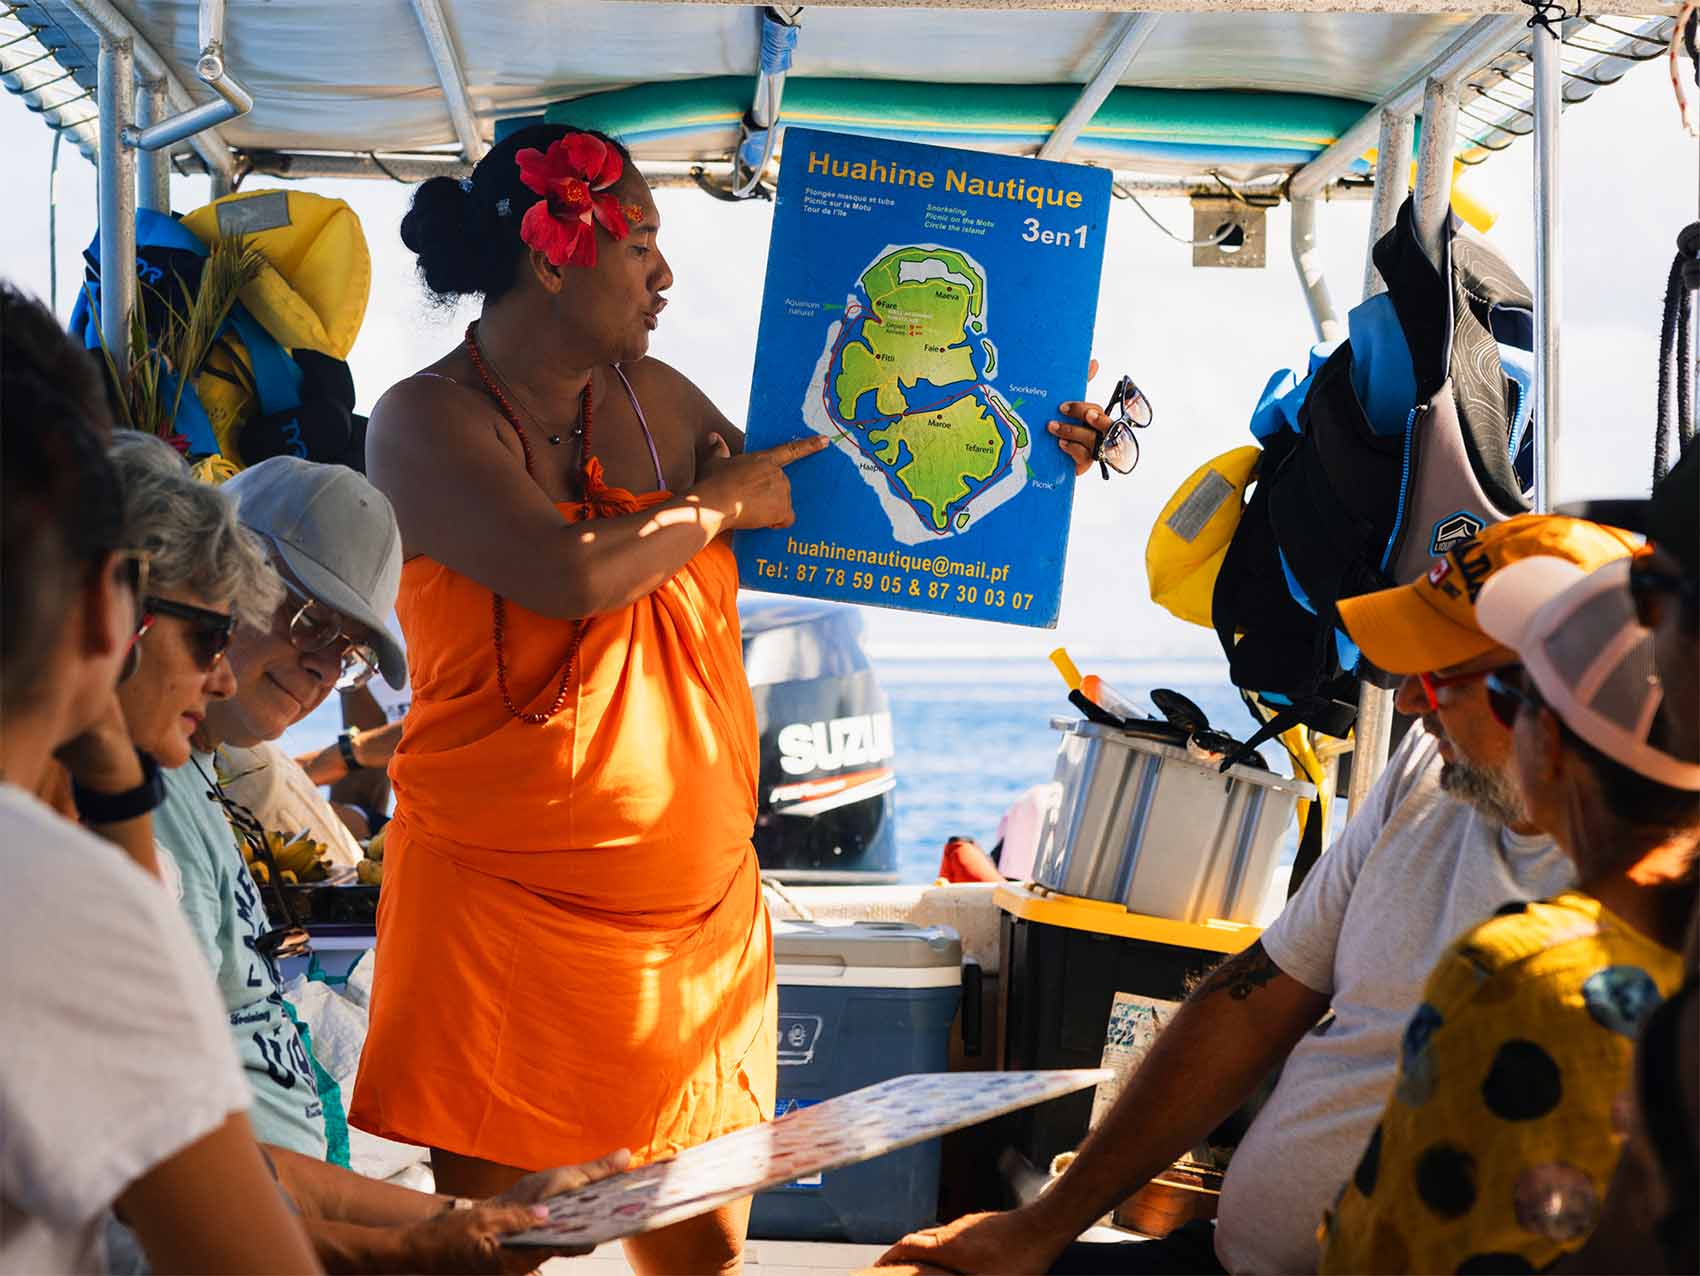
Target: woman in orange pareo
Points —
{"points": [[574, 955]]}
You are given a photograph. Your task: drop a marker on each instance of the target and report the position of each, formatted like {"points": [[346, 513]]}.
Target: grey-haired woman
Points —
{"points": [[206, 574]]}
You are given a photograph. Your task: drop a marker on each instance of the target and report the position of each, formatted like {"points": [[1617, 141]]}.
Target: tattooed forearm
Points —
{"points": [[1241, 975]]}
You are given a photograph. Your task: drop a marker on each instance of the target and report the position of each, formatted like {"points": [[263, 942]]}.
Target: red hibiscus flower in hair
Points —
{"points": [[569, 175]]}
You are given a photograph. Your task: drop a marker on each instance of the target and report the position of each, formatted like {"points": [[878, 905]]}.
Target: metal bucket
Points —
{"points": [[1144, 825]]}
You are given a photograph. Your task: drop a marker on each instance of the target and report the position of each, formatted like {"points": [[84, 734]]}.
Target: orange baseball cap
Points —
{"points": [[1431, 623]]}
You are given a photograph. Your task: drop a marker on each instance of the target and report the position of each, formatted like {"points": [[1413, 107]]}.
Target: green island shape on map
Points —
{"points": [[918, 331], [947, 448]]}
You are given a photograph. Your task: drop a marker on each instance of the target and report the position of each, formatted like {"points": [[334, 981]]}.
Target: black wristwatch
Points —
{"points": [[345, 746], [115, 808]]}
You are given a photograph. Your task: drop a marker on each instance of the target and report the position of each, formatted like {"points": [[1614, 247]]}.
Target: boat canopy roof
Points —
{"points": [[408, 87]]}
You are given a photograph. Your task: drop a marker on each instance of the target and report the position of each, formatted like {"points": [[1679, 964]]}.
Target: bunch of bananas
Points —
{"points": [[370, 870], [298, 859]]}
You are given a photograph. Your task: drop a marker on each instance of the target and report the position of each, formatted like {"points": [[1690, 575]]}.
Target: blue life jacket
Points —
{"points": [[1394, 447], [168, 260]]}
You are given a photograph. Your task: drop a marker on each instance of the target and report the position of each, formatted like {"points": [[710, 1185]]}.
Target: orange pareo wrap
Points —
{"points": [[573, 951]]}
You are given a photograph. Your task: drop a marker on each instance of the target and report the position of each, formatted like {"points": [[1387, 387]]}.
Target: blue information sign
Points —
{"points": [[928, 310]]}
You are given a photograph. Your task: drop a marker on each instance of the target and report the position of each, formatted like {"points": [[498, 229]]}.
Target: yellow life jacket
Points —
{"points": [[311, 294], [1191, 535]]}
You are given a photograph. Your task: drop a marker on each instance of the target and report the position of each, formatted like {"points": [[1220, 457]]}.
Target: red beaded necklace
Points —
{"points": [[498, 605]]}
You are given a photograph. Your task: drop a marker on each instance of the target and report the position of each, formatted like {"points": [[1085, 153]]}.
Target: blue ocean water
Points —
{"points": [[972, 735]]}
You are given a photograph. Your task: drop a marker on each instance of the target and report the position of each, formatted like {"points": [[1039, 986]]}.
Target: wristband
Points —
{"points": [[345, 746], [115, 808]]}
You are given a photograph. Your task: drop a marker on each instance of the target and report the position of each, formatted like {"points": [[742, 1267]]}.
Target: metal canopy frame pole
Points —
{"points": [[1549, 87], [1308, 262], [117, 96], [153, 189], [1484, 40], [233, 100], [759, 136], [1392, 184], [1433, 202], [106, 21], [1433, 205], [1372, 732], [1135, 30], [451, 75]]}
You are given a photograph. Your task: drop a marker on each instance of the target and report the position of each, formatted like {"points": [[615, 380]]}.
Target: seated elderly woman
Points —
{"points": [[1496, 1148], [209, 575]]}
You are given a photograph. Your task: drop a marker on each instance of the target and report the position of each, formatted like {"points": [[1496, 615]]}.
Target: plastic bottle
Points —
{"points": [[1076, 697], [1108, 698]]}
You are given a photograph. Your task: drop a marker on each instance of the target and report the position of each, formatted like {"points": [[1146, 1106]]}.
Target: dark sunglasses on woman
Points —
{"points": [[209, 631]]}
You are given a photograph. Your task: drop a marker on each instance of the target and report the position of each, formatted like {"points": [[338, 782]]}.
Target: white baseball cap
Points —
{"points": [[1589, 657], [337, 535]]}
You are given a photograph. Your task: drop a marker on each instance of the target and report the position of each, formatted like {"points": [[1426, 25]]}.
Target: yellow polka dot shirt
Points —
{"points": [[1496, 1147]]}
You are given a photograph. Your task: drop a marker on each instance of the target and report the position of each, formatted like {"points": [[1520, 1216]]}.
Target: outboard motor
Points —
{"points": [[826, 812]]}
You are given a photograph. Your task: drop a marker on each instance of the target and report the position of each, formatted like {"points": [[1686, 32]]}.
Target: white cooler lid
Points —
{"points": [[867, 954]]}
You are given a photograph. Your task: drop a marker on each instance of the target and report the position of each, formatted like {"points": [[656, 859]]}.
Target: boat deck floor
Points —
{"points": [[779, 1258], [761, 1258]]}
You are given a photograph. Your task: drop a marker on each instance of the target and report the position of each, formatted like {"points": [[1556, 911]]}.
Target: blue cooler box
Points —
{"points": [[859, 1004]]}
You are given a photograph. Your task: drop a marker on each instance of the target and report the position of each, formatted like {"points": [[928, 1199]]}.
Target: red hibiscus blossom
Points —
{"points": [[562, 224]]}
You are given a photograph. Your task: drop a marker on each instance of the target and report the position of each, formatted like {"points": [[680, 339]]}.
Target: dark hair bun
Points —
{"points": [[467, 237], [437, 229]]}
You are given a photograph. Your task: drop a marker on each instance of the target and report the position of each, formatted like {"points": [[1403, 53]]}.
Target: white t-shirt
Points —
{"points": [[1409, 875], [114, 1050], [275, 788]]}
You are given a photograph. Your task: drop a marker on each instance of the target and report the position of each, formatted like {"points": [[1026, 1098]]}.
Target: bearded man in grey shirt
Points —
{"points": [[1442, 842]]}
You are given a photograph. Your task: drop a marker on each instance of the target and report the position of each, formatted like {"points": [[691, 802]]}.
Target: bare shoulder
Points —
{"points": [[666, 388], [426, 397], [429, 406]]}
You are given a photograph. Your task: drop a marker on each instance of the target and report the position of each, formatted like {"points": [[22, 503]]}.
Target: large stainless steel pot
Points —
{"points": [[1144, 825]]}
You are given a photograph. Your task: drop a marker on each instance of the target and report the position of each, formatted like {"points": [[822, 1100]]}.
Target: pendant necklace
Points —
{"points": [[498, 604], [482, 363]]}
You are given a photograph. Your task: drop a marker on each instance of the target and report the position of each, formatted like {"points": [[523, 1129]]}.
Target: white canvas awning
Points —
{"points": [[375, 84]]}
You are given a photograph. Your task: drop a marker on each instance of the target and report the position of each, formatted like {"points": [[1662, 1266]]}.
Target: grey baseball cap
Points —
{"points": [[337, 535]]}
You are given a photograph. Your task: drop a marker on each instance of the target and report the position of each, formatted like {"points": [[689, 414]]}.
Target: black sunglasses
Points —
{"points": [[290, 939], [1646, 583], [1506, 699], [1117, 448], [209, 631]]}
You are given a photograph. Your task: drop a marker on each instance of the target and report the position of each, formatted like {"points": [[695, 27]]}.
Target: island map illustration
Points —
{"points": [[907, 384]]}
